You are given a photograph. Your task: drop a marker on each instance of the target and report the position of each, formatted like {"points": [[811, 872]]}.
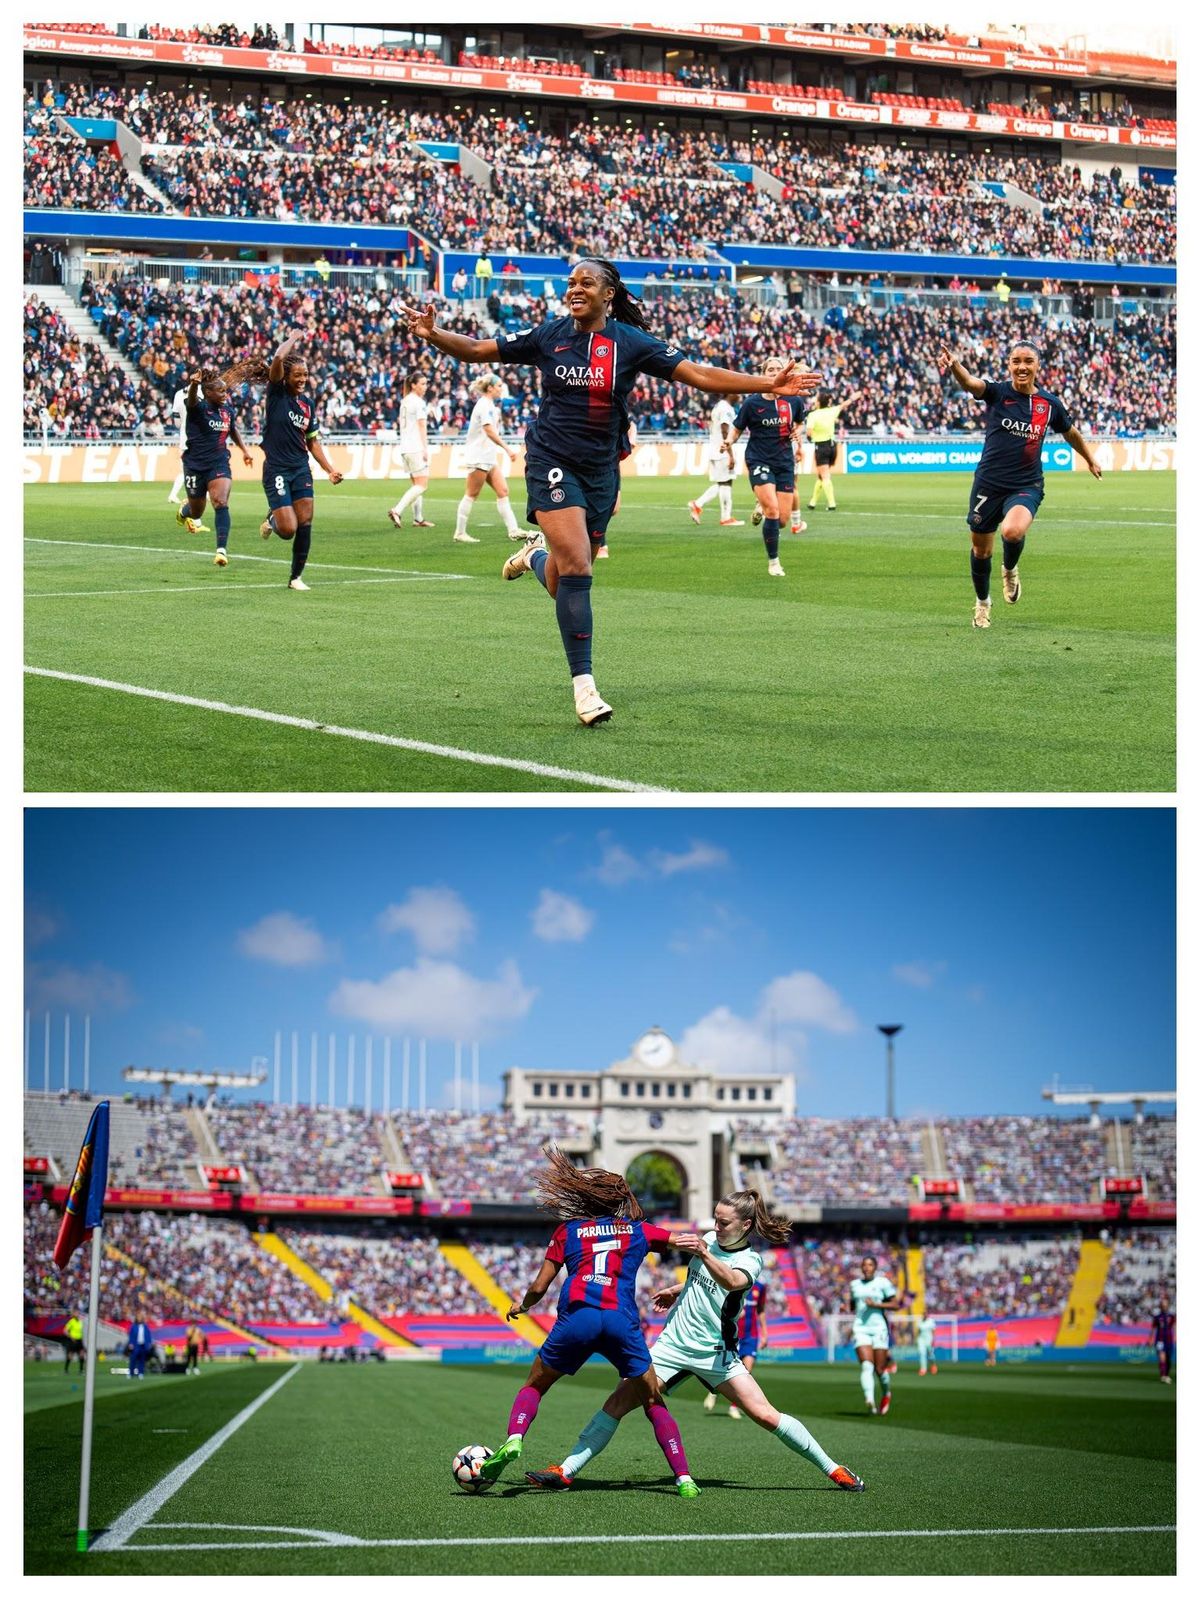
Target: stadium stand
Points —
{"points": [[1005, 1278], [1141, 1271], [150, 1144], [1026, 1158], [393, 1277], [1153, 1154], [861, 1160], [490, 1156], [298, 1149], [826, 1267]]}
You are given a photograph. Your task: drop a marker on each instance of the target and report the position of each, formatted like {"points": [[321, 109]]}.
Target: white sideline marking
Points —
{"points": [[140, 1513], [236, 555], [314, 1539], [218, 587], [419, 746]]}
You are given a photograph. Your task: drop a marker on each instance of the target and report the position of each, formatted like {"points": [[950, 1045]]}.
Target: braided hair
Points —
{"points": [[253, 369], [625, 307], [575, 1193]]}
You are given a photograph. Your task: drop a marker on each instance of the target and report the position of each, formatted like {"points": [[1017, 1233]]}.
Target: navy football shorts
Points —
{"points": [[282, 485], [584, 1331], [762, 474], [552, 486], [747, 1346], [197, 479], [991, 504]]}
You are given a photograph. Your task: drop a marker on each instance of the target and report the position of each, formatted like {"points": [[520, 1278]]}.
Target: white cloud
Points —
{"points": [[561, 920], [284, 940], [700, 857], [52, 986], [919, 974], [618, 866], [437, 918], [436, 999], [40, 926], [775, 1038]]}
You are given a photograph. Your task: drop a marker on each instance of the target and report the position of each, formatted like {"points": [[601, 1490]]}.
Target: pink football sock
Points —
{"points": [[666, 1430], [525, 1408]]}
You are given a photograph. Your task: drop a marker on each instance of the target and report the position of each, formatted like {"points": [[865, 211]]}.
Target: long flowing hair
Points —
{"points": [[625, 306], [574, 1193], [253, 369], [748, 1203]]}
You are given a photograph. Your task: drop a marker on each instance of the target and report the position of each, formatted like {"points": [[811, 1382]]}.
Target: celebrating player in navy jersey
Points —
{"points": [[770, 422], [602, 1242], [208, 425], [589, 361], [1162, 1336], [290, 436], [1008, 486]]}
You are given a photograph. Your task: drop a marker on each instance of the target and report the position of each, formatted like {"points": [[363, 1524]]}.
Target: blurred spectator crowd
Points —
{"points": [[300, 1149], [489, 1156], [1027, 1277], [1141, 1273]]}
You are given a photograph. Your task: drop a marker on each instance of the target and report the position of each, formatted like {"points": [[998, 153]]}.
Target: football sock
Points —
{"points": [[866, 1376], [812, 499], [525, 1408], [829, 499], [465, 506], [796, 1436], [419, 506], [573, 606], [407, 499], [666, 1430], [770, 530], [222, 519], [725, 498], [300, 547], [537, 565], [981, 574], [1012, 552], [886, 1382], [709, 494], [504, 506], [591, 1441], [177, 488]]}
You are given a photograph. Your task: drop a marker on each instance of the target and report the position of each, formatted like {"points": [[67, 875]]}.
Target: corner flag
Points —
{"points": [[85, 1201]]}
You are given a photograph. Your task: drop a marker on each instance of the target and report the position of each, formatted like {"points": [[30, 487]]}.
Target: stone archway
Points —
{"points": [[660, 1182]]}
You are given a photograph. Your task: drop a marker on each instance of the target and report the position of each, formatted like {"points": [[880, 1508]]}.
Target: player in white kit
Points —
{"points": [[722, 466], [414, 446], [700, 1340], [869, 1293], [483, 450]]}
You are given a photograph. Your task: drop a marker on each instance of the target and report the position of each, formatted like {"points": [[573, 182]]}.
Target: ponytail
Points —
{"points": [[625, 307], [748, 1203]]}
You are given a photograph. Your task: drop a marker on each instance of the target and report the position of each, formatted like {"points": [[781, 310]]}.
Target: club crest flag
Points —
{"points": [[85, 1201]]}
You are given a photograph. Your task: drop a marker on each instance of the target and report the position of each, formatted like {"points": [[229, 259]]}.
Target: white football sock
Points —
{"points": [[465, 506], [725, 493]]}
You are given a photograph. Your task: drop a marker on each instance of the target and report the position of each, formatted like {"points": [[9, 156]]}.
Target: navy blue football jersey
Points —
{"points": [[767, 421], [206, 435], [586, 379], [291, 421], [1014, 432]]}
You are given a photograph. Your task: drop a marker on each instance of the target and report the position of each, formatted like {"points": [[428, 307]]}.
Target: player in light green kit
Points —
{"points": [[871, 1334], [700, 1340], [926, 1328]]}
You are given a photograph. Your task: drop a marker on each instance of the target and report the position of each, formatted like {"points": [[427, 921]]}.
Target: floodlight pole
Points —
{"points": [[889, 1031]]}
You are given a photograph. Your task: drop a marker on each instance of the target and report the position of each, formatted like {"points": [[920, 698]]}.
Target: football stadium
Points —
{"points": [[347, 285]]}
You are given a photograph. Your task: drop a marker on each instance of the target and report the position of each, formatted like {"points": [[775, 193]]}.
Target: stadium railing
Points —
{"points": [[293, 274]]}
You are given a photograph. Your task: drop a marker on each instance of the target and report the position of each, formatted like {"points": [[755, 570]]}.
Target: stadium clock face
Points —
{"points": [[654, 1048]]}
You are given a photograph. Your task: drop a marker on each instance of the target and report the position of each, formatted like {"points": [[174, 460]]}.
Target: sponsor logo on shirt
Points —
{"points": [[1023, 430], [582, 377]]}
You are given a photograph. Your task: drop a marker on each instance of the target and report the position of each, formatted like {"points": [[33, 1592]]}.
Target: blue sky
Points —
{"points": [[1012, 944]]}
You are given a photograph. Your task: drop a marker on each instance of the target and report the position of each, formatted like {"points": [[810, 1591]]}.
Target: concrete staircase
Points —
{"points": [[914, 1275], [139, 178], [299, 1267], [81, 324], [465, 1263], [1079, 1313]]}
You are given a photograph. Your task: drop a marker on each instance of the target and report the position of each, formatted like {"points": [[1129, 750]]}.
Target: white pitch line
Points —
{"points": [[362, 735], [149, 1504], [345, 1540], [235, 555], [217, 586]]}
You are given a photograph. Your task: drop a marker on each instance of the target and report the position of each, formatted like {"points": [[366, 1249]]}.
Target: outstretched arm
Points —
{"points": [[723, 380], [547, 1272], [1079, 444], [275, 371], [421, 325], [949, 362]]}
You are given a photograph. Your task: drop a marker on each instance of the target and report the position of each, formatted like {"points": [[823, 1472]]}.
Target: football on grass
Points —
{"points": [[465, 1468]]}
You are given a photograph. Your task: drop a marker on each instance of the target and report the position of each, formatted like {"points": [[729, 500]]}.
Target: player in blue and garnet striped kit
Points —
{"points": [[589, 361], [1162, 1336], [1008, 487], [208, 426], [770, 422], [602, 1241]]}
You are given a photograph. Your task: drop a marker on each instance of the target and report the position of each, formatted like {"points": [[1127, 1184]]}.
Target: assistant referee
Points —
{"points": [[821, 425]]}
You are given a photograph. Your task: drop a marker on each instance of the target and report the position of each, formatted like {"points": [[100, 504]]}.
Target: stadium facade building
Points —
{"points": [[654, 1102]]}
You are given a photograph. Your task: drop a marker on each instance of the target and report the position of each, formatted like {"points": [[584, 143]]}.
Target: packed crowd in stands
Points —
{"points": [[262, 36], [1026, 1159], [489, 1156], [827, 1266], [301, 1149], [404, 1275], [1116, 377], [1029, 1277], [1141, 1273], [169, 1158], [1154, 1155], [619, 191], [861, 1160]]}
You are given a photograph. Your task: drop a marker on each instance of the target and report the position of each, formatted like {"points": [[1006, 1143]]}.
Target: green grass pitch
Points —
{"points": [[1022, 1470], [858, 672]]}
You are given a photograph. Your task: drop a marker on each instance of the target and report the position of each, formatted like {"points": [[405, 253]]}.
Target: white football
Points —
{"points": [[465, 1468]]}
